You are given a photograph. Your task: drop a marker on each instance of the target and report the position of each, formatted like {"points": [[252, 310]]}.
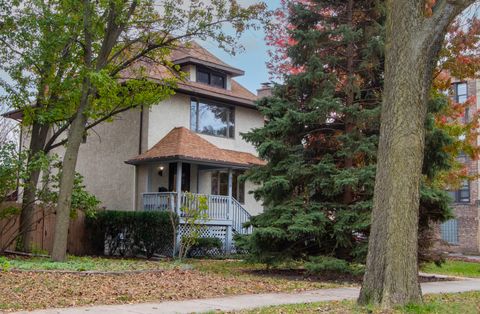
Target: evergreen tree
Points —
{"points": [[321, 138]]}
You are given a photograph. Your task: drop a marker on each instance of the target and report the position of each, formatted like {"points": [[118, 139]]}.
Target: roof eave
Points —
{"points": [[137, 162], [192, 60], [16, 114], [193, 91]]}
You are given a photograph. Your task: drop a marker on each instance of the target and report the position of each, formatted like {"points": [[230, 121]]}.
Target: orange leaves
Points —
{"points": [[442, 81], [429, 4], [459, 55]]}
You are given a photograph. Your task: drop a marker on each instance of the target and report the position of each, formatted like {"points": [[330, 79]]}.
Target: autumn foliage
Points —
{"points": [[322, 132]]}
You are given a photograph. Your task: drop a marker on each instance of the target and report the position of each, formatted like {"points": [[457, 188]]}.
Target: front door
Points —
{"points": [[172, 177]]}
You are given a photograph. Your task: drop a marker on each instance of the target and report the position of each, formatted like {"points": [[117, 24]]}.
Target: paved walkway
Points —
{"points": [[250, 301]]}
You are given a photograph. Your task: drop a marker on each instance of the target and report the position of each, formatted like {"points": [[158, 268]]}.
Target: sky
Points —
{"points": [[253, 59]]}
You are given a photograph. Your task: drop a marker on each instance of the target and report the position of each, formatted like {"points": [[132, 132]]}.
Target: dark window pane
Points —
{"points": [[193, 115], [223, 183], [215, 183], [203, 77], [464, 193], [212, 119], [241, 192], [231, 124], [234, 186], [217, 80]]}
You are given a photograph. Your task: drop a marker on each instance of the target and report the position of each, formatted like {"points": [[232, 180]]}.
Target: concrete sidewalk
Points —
{"points": [[242, 302]]}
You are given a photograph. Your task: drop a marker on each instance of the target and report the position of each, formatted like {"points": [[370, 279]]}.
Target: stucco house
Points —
{"points": [[195, 134], [190, 142], [147, 158]]}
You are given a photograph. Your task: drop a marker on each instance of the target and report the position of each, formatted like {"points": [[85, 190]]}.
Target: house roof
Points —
{"points": [[194, 53], [237, 94], [183, 144]]}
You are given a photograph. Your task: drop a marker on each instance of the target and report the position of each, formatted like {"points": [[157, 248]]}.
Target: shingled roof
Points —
{"points": [[182, 144], [194, 53]]}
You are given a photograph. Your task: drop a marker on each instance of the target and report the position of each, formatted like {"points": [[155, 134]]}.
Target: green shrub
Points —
{"points": [[128, 233], [4, 264], [323, 264], [205, 247]]}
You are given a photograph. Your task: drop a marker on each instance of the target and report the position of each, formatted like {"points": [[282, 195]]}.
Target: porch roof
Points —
{"points": [[182, 144]]}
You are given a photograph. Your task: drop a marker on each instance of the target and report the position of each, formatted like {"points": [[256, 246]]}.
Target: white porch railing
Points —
{"points": [[218, 207], [239, 217], [159, 201]]}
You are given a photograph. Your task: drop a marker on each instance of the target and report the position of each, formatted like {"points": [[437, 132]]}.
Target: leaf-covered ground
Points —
{"points": [[454, 303], [27, 290]]}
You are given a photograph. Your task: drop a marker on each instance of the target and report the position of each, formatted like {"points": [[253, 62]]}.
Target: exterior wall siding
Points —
{"points": [[101, 160]]}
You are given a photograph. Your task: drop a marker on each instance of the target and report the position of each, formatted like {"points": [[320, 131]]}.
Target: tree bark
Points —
{"points": [[115, 26], [75, 135], [412, 45], [27, 221]]}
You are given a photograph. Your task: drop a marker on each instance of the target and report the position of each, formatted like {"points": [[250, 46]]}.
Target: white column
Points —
{"points": [[230, 212], [179, 186]]}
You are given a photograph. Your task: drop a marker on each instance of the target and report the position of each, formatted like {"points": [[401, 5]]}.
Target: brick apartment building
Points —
{"points": [[462, 234]]}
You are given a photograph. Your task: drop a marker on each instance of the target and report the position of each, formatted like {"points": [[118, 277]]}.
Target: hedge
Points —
{"points": [[129, 233]]}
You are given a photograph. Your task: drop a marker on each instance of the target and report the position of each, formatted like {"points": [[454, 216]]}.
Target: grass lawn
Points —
{"points": [[464, 303], [454, 268], [75, 263], [30, 290]]}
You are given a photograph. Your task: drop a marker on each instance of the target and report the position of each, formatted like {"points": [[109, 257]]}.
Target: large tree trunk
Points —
{"points": [[115, 27], [412, 45], [75, 135], [27, 222], [67, 178]]}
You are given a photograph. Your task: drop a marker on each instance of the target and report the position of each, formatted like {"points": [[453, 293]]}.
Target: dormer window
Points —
{"points": [[210, 77]]}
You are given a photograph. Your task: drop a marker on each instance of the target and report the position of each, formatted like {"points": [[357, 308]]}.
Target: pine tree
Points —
{"points": [[321, 138]]}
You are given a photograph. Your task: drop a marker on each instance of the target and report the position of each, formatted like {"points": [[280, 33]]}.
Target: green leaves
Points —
{"points": [[321, 137]]}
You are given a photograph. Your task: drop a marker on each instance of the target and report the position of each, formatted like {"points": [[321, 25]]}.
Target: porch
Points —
{"points": [[184, 162], [222, 210]]}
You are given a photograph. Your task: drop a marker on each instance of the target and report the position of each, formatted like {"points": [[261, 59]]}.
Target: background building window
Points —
{"points": [[461, 92], [461, 195], [461, 95], [449, 231], [211, 77], [212, 119], [220, 185]]}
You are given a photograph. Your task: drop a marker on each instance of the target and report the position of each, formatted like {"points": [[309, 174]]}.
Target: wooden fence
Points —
{"points": [[43, 231]]}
